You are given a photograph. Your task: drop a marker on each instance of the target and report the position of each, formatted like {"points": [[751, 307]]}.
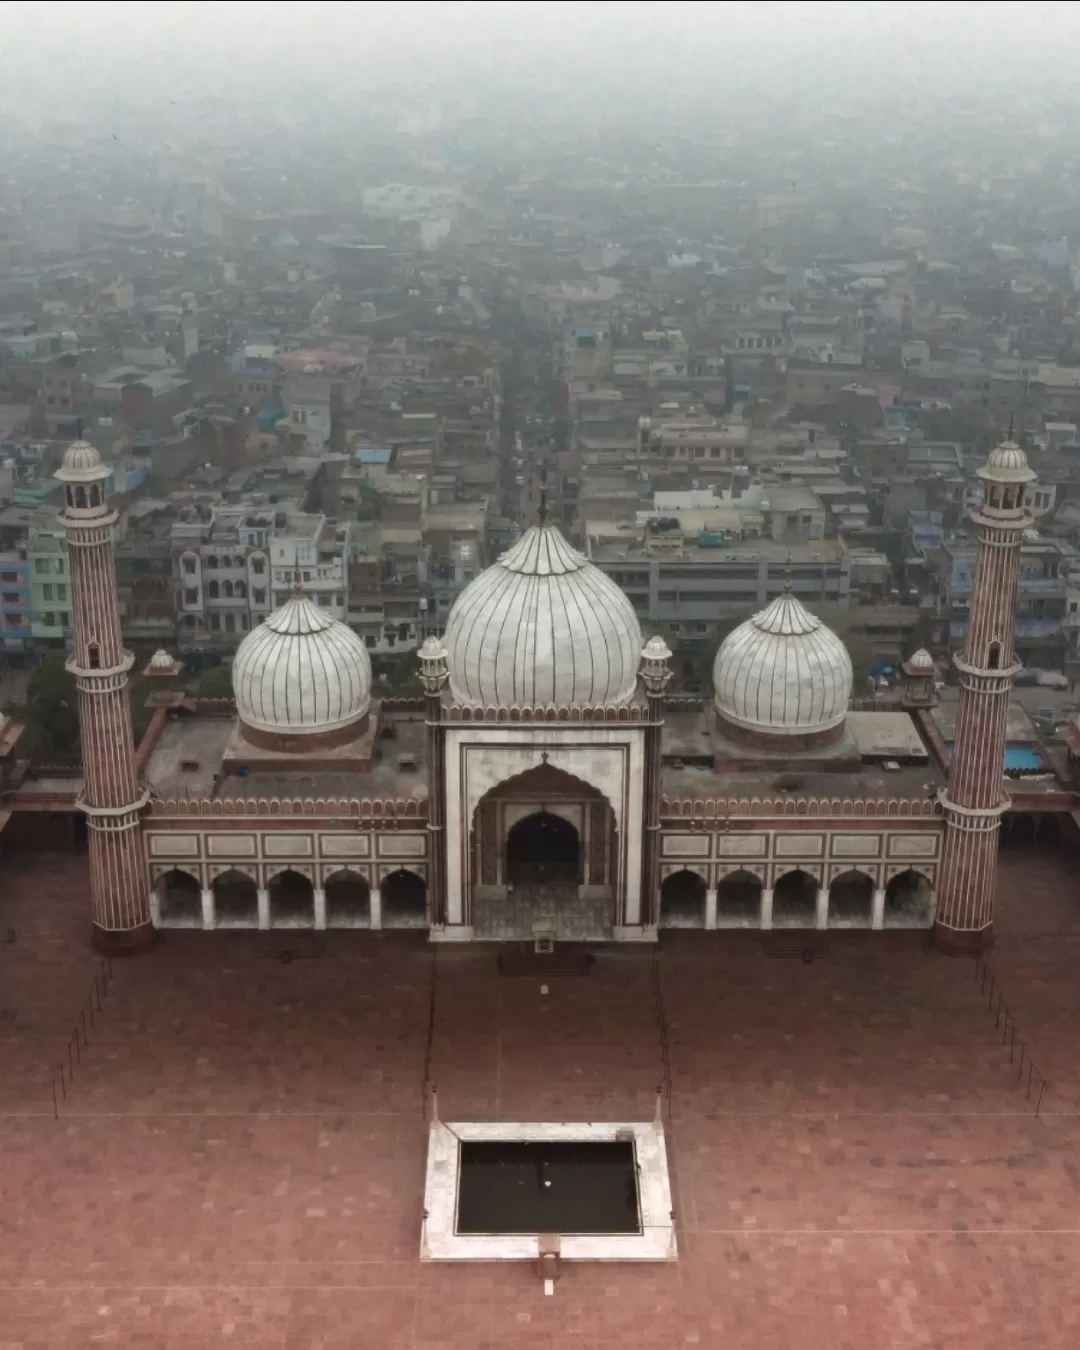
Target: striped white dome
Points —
{"points": [[783, 671], [301, 671], [542, 626], [1007, 463]]}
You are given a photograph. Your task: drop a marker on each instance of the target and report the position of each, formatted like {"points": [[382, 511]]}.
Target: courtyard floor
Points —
{"points": [[240, 1157]]}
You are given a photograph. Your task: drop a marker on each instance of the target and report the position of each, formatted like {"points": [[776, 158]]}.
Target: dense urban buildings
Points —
{"points": [[539, 619]]}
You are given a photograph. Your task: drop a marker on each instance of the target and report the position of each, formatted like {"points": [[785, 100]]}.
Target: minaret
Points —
{"points": [[433, 676], [111, 798], [975, 799], [655, 676]]}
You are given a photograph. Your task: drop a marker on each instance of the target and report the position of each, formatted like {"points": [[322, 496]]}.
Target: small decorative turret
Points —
{"points": [[918, 673]]}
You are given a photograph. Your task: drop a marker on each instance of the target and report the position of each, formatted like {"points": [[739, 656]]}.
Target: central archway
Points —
{"points": [[542, 847]]}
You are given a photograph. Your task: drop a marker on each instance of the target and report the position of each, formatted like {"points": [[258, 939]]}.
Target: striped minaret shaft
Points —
{"points": [[112, 798], [975, 799]]}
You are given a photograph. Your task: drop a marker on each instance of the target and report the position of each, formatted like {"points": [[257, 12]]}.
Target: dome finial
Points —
{"points": [[298, 582], [788, 575], [542, 509]]}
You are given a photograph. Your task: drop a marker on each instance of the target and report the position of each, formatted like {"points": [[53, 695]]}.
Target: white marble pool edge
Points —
{"points": [[440, 1242]]}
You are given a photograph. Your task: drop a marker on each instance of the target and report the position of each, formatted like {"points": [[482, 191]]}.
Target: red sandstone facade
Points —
{"points": [[975, 799], [112, 798]]}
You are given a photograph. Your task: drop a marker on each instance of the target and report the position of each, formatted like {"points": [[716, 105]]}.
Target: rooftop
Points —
{"points": [[200, 743]]}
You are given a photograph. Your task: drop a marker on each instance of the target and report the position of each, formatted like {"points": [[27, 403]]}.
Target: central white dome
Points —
{"points": [[301, 672], [783, 671], [542, 626]]}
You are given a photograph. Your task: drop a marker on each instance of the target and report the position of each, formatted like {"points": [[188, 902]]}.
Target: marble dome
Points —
{"points": [[82, 464], [301, 672], [161, 660], [921, 660], [542, 626], [1007, 463], [80, 456], [783, 672]]}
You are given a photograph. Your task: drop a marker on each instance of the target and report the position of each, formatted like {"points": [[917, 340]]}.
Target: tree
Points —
{"points": [[216, 682], [52, 711], [398, 676]]}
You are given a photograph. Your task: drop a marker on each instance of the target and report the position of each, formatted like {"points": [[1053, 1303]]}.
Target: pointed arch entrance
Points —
{"points": [[543, 847], [544, 855]]}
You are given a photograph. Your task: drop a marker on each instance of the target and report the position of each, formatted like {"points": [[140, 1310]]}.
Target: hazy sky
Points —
{"points": [[154, 50]]}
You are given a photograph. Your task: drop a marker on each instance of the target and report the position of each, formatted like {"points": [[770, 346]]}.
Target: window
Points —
{"points": [[226, 589], [47, 592], [307, 576], [93, 656], [258, 595], [369, 641], [59, 567], [43, 566], [239, 590], [9, 576], [258, 566], [213, 590], [215, 622], [238, 562], [189, 566], [61, 592], [244, 623], [11, 597], [994, 656], [211, 562], [50, 620], [230, 623], [191, 597], [65, 619]]}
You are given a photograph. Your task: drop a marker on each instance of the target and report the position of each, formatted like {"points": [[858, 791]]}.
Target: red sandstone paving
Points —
{"points": [[240, 1160]]}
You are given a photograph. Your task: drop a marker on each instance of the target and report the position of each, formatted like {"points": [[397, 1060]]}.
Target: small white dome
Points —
{"points": [[783, 671], [921, 660], [81, 464], [81, 455], [161, 660], [301, 671], [1007, 464], [542, 626]]}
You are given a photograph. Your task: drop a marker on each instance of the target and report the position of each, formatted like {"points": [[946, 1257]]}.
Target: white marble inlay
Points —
{"points": [[440, 1241]]}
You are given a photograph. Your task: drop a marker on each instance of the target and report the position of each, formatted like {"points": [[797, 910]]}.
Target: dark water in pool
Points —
{"points": [[542, 1187]]}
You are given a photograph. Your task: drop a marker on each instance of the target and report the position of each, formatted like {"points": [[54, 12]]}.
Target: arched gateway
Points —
{"points": [[544, 858]]}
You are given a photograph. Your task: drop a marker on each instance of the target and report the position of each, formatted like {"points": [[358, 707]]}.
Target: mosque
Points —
{"points": [[545, 788]]}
